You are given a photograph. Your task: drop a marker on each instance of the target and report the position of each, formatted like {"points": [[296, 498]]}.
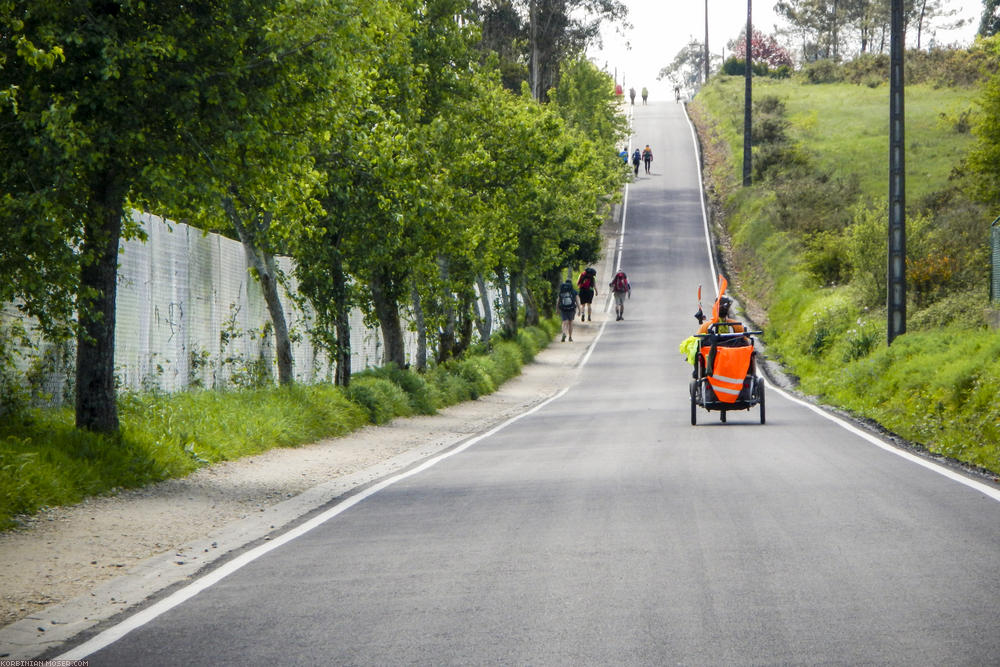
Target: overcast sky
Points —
{"points": [[661, 28]]}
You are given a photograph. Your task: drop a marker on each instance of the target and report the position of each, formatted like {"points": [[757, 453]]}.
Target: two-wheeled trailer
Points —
{"points": [[725, 376]]}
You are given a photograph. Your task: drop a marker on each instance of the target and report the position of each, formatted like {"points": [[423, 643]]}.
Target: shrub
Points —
{"points": [[507, 359], [964, 309], [384, 400], [825, 258], [867, 249], [423, 397], [822, 71], [814, 201], [738, 67]]}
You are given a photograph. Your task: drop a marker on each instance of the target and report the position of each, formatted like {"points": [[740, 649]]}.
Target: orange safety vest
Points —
{"points": [[729, 371]]}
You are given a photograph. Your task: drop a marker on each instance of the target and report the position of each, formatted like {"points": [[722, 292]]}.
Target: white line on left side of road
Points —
{"points": [[114, 633]]}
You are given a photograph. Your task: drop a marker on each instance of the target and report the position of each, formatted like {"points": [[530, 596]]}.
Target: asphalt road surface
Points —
{"points": [[604, 529]]}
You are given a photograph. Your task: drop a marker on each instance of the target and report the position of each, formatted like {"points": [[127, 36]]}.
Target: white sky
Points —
{"points": [[661, 28]]}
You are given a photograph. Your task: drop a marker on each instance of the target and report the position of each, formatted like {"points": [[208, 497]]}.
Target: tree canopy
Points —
{"points": [[399, 173]]}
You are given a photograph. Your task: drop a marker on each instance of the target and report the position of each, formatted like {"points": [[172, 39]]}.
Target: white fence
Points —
{"points": [[189, 313]]}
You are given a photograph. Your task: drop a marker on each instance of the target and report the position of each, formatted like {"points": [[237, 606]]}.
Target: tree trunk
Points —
{"points": [[530, 306], [283, 344], [341, 315], [465, 324], [446, 342], [485, 321], [920, 21], [510, 309], [252, 238], [387, 312], [96, 409], [418, 314], [342, 374]]}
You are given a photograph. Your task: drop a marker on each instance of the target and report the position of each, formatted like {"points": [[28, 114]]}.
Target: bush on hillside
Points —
{"points": [[822, 71], [825, 258], [962, 309], [812, 201], [738, 67]]}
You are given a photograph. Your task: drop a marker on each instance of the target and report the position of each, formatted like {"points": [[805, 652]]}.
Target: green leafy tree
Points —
{"points": [[687, 67], [542, 34], [989, 25], [984, 158], [88, 87], [276, 83]]}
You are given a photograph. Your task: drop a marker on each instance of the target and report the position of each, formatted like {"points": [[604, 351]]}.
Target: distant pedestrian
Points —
{"points": [[587, 284], [568, 303], [647, 157], [636, 159], [677, 93], [631, 94], [620, 286], [645, 94], [624, 155]]}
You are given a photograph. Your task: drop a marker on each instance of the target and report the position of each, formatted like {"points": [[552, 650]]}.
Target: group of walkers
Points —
{"points": [[645, 95], [581, 298], [644, 156]]}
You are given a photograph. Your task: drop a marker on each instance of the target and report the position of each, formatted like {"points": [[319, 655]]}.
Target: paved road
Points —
{"points": [[605, 529]]}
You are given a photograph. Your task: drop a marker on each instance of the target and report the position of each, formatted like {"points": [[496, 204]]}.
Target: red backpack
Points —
{"points": [[620, 283]]}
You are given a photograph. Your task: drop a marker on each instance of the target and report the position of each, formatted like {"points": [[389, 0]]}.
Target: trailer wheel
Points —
{"points": [[760, 391]]}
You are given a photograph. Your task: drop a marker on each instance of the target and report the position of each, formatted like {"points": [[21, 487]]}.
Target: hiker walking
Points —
{"points": [[636, 159], [647, 157], [619, 288], [631, 94], [587, 284], [645, 94], [568, 303]]}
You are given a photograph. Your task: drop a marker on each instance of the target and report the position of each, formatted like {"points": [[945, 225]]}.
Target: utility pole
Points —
{"points": [[748, 99], [707, 59], [533, 33], [896, 288]]}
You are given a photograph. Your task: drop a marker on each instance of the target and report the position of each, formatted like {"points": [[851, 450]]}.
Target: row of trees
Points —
{"points": [[828, 30], [832, 29], [372, 140]]}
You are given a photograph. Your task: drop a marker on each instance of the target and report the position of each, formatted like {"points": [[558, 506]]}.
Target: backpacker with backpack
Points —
{"points": [[567, 299], [620, 282]]}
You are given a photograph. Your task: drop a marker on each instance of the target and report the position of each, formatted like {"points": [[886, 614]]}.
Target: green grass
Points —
{"points": [[937, 384], [845, 127], [45, 461]]}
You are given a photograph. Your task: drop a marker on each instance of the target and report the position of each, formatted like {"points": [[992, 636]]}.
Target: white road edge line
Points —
{"points": [[878, 442], [113, 634], [701, 199]]}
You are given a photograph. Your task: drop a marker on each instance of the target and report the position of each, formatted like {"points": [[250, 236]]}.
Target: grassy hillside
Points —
{"points": [[805, 247], [845, 127]]}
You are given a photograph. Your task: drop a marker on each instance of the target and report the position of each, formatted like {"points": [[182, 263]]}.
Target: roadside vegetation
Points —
{"points": [[46, 461], [407, 176], [806, 244]]}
